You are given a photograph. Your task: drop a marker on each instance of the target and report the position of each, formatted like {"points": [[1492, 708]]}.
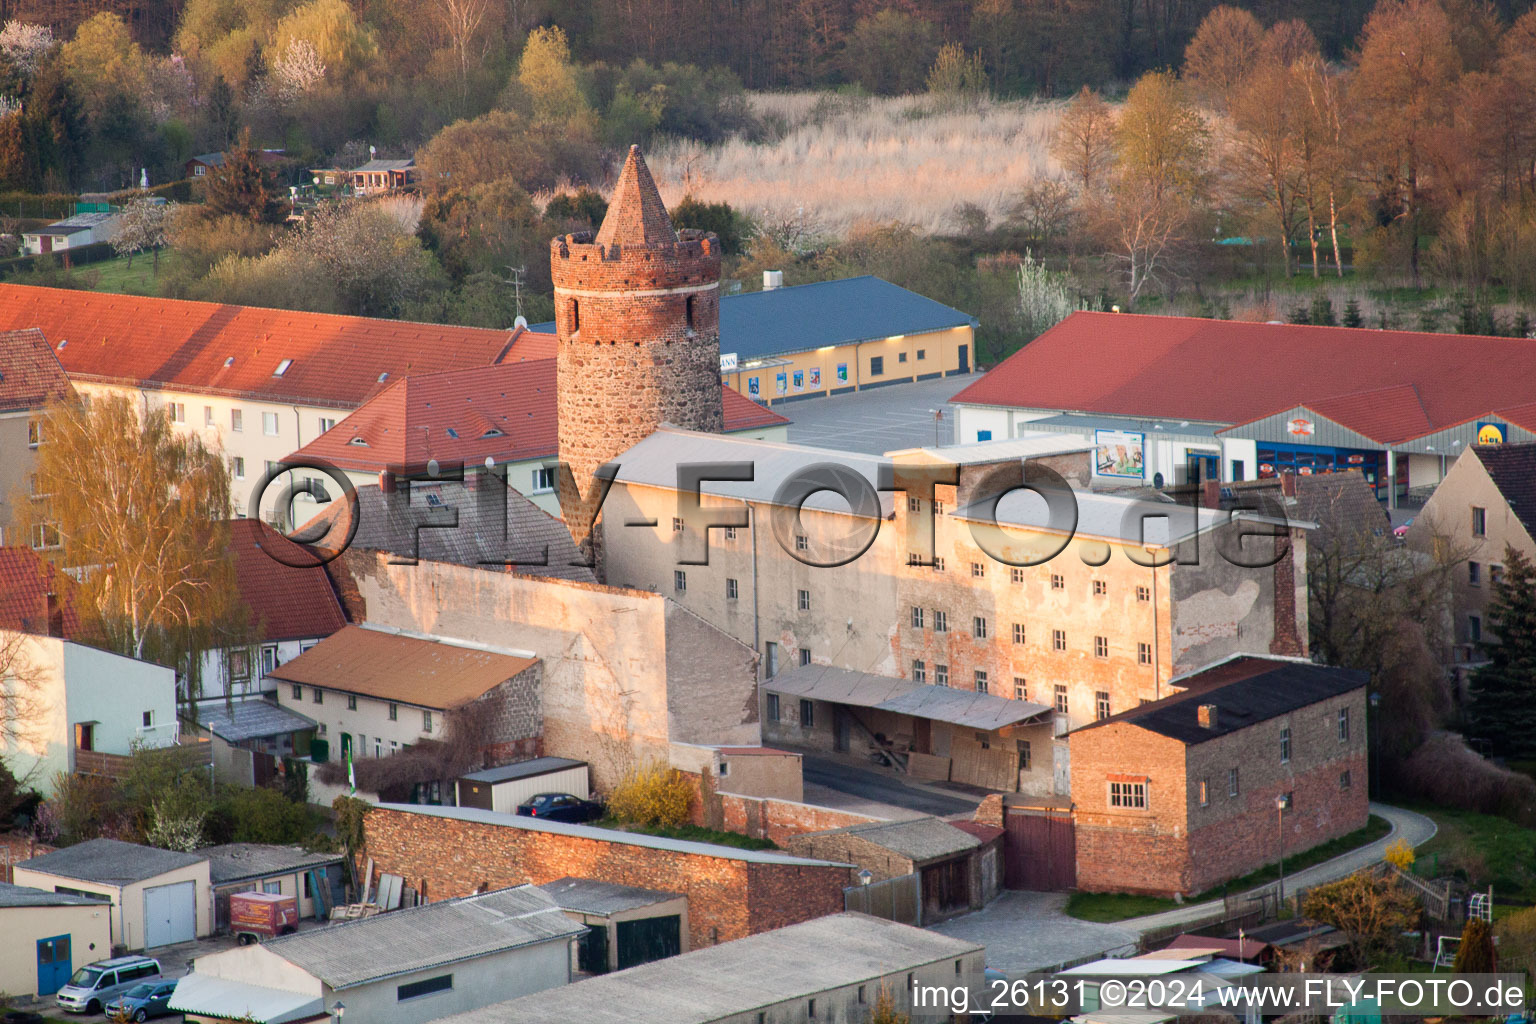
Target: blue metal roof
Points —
{"points": [[810, 316]]}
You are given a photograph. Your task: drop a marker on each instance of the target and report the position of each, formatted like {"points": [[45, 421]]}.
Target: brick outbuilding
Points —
{"points": [[453, 851], [1182, 794]]}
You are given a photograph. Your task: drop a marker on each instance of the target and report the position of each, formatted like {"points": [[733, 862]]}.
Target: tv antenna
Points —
{"points": [[516, 281]]}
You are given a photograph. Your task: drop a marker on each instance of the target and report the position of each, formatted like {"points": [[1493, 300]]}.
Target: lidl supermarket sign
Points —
{"points": [[1489, 432]]}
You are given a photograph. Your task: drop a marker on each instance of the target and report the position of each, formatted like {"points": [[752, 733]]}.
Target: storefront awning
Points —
{"points": [[905, 697]]}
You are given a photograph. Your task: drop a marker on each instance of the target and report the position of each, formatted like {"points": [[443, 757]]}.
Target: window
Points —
{"points": [[940, 674], [979, 627], [317, 695], [1474, 574], [1474, 628], [677, 525], [807, 715], [543, 480], [1132, 795], [415, 989], [922, 353], [978, 570], [805, 655], [730, 533], [237, 464], [1232, 782], [45, 535], [1143, 594], [1100, 588], [1024, 755], [1285, 745], [730, 589], [268, 659], [810, 1008], [917, 617], [940, 621], [1237, 469], [801, 543], [1058, 639], [679, 580], [1204, 790], [803, 600], [240, 668], [351, 702], [914, 504], [981, 680], [269, 424], [298, 692], [876, 365], [688, 311], [1345, 781], [236, 420], [1479, 522], [1058, 582], [178, 412], [1061, 699], [1343, 725], [282, 367], [1017, 575], [149, 719], [1101, 703], [901, 357], [1143, 654], [1020, 688], [1287, 801], [1495, 575], [426, 721], [938, 562], [773, 707], [919, 671], [1101, 647], [861, 994], [1018, 632], [207, 415], [394, 712]]}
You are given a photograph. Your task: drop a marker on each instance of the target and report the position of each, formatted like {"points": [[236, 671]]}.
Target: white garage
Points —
{"points": [[158, 896]]}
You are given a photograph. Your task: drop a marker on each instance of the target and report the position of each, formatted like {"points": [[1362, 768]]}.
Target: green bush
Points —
{"points": [[652, 794]]}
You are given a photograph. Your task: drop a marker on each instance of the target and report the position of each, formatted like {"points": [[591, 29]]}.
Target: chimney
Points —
{"points": [[1207, 716], [1288, 484], [386, 482], [55, 617], [772, 279], [1210, 493]]}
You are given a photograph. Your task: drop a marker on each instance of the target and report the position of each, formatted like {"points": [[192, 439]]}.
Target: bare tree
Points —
{"points": [[1084, 142], [461, 22]]}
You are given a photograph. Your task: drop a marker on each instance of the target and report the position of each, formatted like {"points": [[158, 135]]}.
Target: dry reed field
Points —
{"points": [[843, 160]]}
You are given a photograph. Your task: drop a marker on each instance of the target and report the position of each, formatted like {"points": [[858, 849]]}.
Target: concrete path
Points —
{"points": [[1030, 931], [864, 789]]}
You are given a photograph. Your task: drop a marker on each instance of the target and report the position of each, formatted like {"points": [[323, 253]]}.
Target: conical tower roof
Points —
{"points": [[636, 214]]}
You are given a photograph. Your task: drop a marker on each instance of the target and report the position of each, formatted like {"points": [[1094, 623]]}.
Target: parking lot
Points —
{"points": [[880, 419]]}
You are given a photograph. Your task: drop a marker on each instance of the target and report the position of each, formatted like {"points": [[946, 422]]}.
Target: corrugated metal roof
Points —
{"points": [[111, 862], [808, 316], [238, 1000], [589, 896], [412, 670], [242, 720], [737, 977], [609, 835], [1112, 517], [524, 769], [904, 697], [352, 953], [234, 862], [1025, 446], [26, 896], [920, 839]]}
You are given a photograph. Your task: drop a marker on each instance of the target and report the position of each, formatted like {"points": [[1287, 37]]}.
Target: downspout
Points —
{"points": [[757, 644], [1157, 644]]}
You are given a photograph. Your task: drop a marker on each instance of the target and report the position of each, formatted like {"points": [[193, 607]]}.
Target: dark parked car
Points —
{"points": [[151, 999], [561, 807]]}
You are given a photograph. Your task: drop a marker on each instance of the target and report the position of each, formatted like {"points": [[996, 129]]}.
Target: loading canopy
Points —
{"points": [[904, 697]]}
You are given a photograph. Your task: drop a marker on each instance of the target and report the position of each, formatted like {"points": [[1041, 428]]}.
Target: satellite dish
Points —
{"points": [[521, 321], [432, 467], [490, 462]]}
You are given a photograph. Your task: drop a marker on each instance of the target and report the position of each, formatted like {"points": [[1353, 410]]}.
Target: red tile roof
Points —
{"points": [[506, 412], [636, 214], [1388, 385], [237, 350], [30, 373], [26, 581], [287, 601]]}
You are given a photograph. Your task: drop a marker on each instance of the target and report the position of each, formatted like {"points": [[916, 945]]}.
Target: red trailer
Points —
{"points": [[254, 916]]}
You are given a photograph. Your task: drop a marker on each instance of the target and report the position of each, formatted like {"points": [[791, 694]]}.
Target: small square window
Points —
{"points": [[876, 365], [1058, 582], [351, 702], [1060, 698], [914, 504], [1101, 647], [802, 543], [679, 580], [807, 715], [917, 617], [730, 589], [919, 671], [730, 533], [1020, 688], [805, 656], [326, 423], [317, 695], [298, 692], [1143, 654], [1143, 594], [1018, 632], [1100, 588], [803, 600], [677, 524], [979, 628], [978, 570], [178, 412], [543, 480], [901, 357], [981, 680], [938, 563], [1345, 780], [940, 621], [1058, 639], [1017, 575], [940, 674], [1101, 704], [922, 353], [269, 424]]}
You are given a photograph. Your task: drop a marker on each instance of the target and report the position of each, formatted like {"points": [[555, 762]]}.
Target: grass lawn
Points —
{"points": [[692, 833], [1111, 906], [1483, 848], [116, 276]]}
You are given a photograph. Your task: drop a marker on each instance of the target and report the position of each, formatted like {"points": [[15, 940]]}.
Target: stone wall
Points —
{"points": [[728, 898], [766, 817]]}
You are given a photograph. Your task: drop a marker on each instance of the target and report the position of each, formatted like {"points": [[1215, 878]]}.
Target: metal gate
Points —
{"points": [[170, 914], [650, 938], [895, 899], [592, 950], [1039, 849]]}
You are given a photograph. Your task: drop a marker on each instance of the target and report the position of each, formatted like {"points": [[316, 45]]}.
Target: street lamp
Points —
{"points": [[1280, 802], [938, 418], [339, 1010], [866, 876]]}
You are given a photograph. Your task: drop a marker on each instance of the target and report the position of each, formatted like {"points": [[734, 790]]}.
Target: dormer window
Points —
{"points": [[493, 432], [282, 367], [229, 362], [359, 442], [453, 433], [383, 376]]}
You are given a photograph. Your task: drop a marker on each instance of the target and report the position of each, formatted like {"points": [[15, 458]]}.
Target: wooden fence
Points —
{"points": [[895, 899], [116, 766]]}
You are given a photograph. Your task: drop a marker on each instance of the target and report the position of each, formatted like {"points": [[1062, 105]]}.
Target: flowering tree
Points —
{"points": [[297, 71], [25, 45], [142, 226], [1045, 297]]}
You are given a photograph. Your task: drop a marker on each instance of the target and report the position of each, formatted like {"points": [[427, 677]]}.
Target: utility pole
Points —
{"points": [[516, 281]]}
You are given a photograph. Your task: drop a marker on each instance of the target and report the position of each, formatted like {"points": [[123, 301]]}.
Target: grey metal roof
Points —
{"points": [[385, 165], [608, 835], [211, 159], [1025, 446], [808, 316], [238, 1000], [590, 896], [236, 862], [352, 953], [654, 461], [733, 978], [26, 896], [1152, 427], [903, 697], [1109, 516], [524, 769], [248, 719], [919, 839], [111, 862]]}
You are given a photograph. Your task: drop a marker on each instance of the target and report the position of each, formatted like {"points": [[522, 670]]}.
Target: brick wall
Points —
{"points": [[766, 817], [727, 898], [14, 849], [1129, 850]]}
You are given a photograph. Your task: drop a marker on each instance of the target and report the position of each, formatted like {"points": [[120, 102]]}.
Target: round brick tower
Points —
{"points": [[637, 310]]}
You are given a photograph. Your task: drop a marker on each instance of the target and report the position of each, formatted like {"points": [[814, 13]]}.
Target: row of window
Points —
{"points": [[980, 630], [317, 695], [1475, 574], [807, 711], [1020, 575]]}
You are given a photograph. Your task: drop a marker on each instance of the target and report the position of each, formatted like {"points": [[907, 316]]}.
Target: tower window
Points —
{"points": [[575, 315], [688, 305]]}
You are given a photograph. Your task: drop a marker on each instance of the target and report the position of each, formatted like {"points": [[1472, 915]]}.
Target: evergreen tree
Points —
{"points": [[244, 187], [1522, 328], [1352, 317], [1475, 955], [1322, 312], [1503, 708], [1299, 314]]}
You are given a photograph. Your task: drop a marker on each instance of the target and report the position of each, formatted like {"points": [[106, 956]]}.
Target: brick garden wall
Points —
{"points": [[764, 817], [727, 898]]}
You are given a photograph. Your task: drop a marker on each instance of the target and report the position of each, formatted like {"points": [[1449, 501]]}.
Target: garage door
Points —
{"points": [[170, 914]]}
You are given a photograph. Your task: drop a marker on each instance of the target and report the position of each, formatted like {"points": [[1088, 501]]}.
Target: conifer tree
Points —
{"points": [[1503, 710]]}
